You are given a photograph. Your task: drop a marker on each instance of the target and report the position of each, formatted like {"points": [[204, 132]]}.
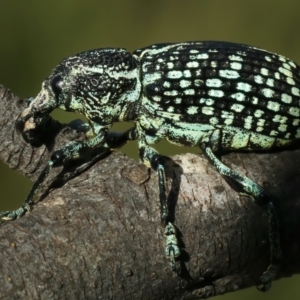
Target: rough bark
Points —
{"points": [[98, 235]]}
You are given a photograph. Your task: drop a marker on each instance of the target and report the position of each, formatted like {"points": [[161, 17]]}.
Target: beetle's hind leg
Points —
{"points": [[261, 197]]}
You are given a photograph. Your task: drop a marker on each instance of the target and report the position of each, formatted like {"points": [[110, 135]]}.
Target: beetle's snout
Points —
{"points": [[25, 122], [30, 127], [37, 110], [29, 119], [32, 120]]}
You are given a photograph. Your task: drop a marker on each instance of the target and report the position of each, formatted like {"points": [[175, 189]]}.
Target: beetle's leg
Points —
{"points": [[28, 203], [150, 157], [81, 126], [113, 139], [72, 150], [118, 139], [261, 197]]}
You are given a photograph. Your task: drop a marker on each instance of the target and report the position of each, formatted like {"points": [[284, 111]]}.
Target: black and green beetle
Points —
{"points": [[215, 95]]}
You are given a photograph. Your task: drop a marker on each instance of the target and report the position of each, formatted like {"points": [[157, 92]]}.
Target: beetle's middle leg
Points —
{"points": [[152, 158]]}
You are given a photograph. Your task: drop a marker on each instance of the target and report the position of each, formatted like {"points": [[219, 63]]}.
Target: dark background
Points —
{"points": [[36, 35]]}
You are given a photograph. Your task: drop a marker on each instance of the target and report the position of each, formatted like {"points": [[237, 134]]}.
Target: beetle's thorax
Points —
{"points": [[103, 85]]}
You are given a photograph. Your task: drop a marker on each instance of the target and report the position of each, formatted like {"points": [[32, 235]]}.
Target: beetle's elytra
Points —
{"points": [[215, 95]]}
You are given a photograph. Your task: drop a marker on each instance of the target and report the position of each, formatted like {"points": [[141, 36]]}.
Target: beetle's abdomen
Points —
{"points": [[224, 85]]}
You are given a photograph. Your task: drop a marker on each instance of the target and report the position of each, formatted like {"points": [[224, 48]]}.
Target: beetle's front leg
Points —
{"points": [[261, 197], [151, 158], [116, 139], [72, 150]]}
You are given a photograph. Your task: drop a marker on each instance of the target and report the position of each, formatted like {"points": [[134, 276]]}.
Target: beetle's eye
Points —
{"points": [[56, 85]]}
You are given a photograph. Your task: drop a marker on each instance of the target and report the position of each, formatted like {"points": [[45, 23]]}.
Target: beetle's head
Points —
{"points": [[94, 83]]}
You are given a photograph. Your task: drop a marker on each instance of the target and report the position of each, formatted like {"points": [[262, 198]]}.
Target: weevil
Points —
{"points": [[215, 95]]}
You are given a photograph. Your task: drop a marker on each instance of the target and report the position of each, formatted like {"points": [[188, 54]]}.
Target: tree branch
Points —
{"points": [[99, 234]]}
